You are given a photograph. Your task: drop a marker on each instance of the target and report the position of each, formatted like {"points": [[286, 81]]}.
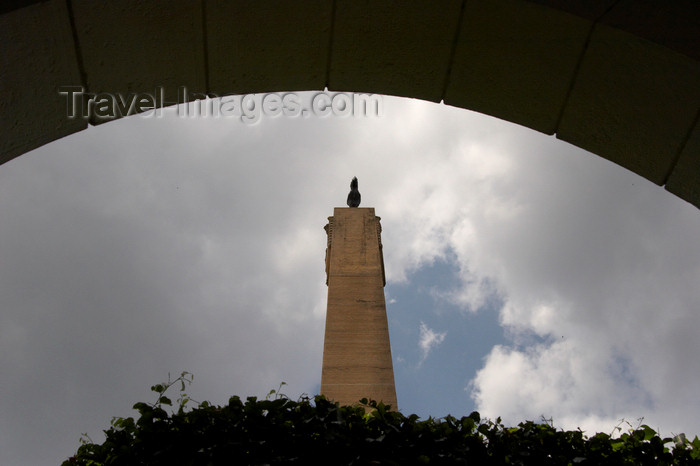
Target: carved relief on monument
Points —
{"points": [[329, 232], [381, 248]]}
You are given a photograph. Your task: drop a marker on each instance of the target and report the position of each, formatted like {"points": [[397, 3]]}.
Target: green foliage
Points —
{"points": [[278, 430]]}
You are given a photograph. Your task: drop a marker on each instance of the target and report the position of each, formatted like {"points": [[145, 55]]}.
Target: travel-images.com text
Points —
{"points": [[249, 108]]}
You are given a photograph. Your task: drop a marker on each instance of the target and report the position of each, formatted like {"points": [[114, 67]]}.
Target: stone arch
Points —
{"points": [[619, 78]]}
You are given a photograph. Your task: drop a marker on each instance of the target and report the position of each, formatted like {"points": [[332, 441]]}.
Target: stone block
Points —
{"points": [[37, 57], [516, 60], [393, 47], [633, 103], [268, 46], [134, 46], [684, 180], [672, 24]]}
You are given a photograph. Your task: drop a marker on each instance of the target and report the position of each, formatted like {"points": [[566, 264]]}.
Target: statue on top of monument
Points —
{"points": [[354, 196]]}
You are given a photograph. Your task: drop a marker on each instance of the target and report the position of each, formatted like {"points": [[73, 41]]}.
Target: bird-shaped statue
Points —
{"points": [[354, 196]]}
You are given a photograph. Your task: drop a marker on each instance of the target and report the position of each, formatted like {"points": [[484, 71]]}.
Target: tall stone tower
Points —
{"points": [[356, 352]]}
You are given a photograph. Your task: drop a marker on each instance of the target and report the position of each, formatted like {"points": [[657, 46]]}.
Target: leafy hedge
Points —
{"points": [[278, 430]]}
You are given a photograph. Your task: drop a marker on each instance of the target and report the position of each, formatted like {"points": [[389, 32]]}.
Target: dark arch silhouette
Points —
{"points": [[618, 78]]}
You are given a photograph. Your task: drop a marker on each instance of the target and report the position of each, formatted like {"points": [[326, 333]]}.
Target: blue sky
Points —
{"points": [[459, 344], [526, 277]]}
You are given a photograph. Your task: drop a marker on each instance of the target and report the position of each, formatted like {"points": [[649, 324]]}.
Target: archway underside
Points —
{"points": [[619, 78]]}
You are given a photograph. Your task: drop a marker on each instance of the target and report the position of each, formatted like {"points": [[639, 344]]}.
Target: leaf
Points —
{"points": [[158, 388], [680, 440], [617, 444], [142, 407], [468, 424], [649, 433]]}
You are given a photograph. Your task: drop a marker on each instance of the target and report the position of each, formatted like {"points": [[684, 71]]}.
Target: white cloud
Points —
{"points": [[428, 340]]}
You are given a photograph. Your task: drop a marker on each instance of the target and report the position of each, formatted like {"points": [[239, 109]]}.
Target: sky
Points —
{"points": [[526, 278]]}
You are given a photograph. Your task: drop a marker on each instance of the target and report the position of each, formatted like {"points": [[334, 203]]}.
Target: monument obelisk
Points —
{"points": [[356, 352]]}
